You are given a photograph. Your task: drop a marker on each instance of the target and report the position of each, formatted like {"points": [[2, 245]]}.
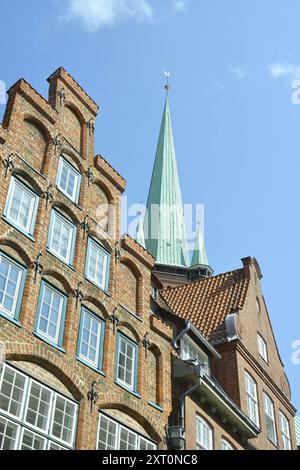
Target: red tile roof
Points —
{"points": [[207, 302]]}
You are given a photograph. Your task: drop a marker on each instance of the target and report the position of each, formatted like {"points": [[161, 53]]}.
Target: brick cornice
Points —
{"points": [[107, 170], [37, 100], [130, 245], [69, 81]]}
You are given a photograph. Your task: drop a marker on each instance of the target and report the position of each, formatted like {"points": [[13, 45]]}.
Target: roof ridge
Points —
{"points": [[198, 281]]}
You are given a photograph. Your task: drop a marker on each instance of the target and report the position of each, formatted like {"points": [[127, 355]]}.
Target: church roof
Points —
{"points": [[206, 302], [164, 223]]}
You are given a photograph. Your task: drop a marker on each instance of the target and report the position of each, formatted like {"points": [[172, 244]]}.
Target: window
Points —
{"points": [[51, 314], [21, 206], [61, 239], [90, 340], [32, 416], [285, 432], [68, 180], [262, 347], [126, 364], [115, 436], [270, 419], [251, 393], [96, 269], [203, 434], [12, 279], [225, 445], [190, 351]]}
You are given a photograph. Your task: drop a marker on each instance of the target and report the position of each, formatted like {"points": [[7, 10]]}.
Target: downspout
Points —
{"points": [[199, 374], [174, 343]]}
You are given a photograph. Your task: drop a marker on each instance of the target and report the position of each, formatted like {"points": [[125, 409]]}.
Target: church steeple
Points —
{"points": [[164, 223], [200, 266], [139, 236]]}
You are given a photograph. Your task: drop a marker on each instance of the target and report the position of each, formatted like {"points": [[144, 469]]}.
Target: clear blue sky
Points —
{"points": [[236, 128]]}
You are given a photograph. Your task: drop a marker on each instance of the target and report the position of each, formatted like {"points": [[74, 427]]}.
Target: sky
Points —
{"points": [[236, 117]]}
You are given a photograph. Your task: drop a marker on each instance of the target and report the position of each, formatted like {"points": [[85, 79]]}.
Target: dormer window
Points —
{"points": [[190, 351]]}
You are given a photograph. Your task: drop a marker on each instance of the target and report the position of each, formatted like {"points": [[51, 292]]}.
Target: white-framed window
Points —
{"points": [[225, 445], [90, 341], [113, 435], [61, 239], [21, 206], [51, 314], [270, 419], [12, 278], [97, 264], [126, 367], [204, 434], [190, 351], [68, 180], [252, 401], [33, 416], [262, 347], [285, 432]]}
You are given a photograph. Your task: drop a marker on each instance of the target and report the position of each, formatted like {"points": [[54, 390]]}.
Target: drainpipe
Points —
{"points": [[199, 371], [175, 341]]}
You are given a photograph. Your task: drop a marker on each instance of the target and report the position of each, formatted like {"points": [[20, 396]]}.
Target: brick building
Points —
{"points": [[107, 341], [74, 298]]}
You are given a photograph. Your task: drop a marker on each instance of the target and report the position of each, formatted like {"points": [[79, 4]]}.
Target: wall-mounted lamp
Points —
{"points": [[175, 437]]}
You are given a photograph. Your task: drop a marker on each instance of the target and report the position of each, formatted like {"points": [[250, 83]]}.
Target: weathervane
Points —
{"points": [[167, 86]]}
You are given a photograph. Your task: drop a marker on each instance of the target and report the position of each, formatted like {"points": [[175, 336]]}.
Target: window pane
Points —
{"points": [[50, 313], [251, 394], [8, 434], [90, 339], [68, 180], [96, 264], [64, 420], [21, 205], [225, 445], [204, 434], [107, 434], [10, 278], [128, 439], [38, 407], [61, 237], [126, 362], [32, 441], [12, 392]]}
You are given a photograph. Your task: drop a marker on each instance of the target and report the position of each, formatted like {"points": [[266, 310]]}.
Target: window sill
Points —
{"points": [[26, 234], [85, 363], [132, 392], [59, 259], [11, 319], [131, 313], [98, 287], [49, 342], [156, 406]]}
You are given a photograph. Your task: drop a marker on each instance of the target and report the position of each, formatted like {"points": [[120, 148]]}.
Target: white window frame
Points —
{"points": [[45, 286], [270, 417], [104, 285], [134, 371], [75, 196], [190, 350], [285, 432], [18, 430], [262, 348], [119, 426], [29, 228], [225, 445], [85, 312], [13, 313], [201, 425], [20, 420], [252, 399], [68, 259]]}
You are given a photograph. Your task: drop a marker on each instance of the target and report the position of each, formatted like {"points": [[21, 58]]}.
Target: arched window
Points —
{"points": [[68, 179], [225, 445]]}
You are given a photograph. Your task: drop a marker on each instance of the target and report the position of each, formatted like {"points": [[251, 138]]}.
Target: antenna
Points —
{"points": [[167, 86]]}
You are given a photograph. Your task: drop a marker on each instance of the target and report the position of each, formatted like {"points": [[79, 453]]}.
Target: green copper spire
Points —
{"points": [[199, 255], [164, 222], [139, 236]]}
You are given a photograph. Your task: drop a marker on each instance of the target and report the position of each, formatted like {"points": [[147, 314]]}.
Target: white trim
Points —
{"points": [[61, 306], [201, 425], [252, 400], [133, 371], [74, 196], [29, 225], [262, 347], [18, 284]]}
